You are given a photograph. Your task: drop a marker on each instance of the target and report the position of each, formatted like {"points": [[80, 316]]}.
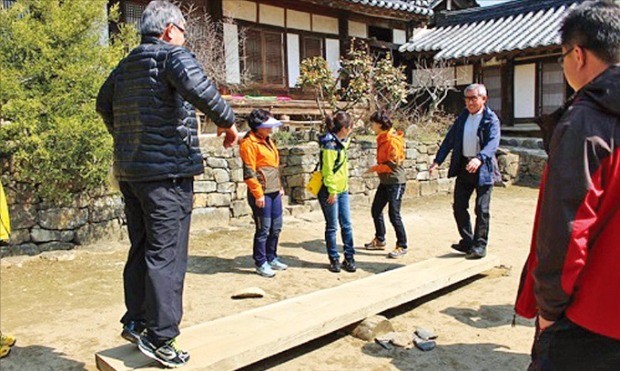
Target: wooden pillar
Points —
{"points": [[508, 99]]}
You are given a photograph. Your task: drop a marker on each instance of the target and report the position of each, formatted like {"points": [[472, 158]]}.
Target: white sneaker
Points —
{"points": [[265, 270], [278, 265]]}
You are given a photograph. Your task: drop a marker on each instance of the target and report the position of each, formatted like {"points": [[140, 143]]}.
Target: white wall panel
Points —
{"points": [[240, 9], [358, 29], [525, 90], [298, 20], [271, 15], [292, 43], [464, 74], [332, 54], [324, 24], [400, 36], [231, 48]]}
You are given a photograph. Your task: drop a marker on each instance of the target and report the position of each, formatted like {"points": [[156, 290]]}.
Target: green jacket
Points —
{"points": [[334, 155]]}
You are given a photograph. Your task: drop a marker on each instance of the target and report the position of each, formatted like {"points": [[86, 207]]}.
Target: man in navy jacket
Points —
{"points": [[147, 104], [473, 140]]}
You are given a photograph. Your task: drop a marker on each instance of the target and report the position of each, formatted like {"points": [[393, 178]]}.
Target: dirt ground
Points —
{"points": [[62, 312]]}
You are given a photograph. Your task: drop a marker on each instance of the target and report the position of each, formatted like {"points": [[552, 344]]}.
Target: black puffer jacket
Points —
{"points": [[147, 104]]}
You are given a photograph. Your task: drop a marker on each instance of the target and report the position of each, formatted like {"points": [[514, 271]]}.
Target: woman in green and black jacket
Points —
{"points": [[334, 194]]}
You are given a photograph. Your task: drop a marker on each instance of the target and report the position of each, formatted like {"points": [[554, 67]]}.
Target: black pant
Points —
{"points": [[158, 219], [391, 195], [566, 346], [466, 183]]}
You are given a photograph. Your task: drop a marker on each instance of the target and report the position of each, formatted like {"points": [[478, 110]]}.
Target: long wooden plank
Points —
{"points": [[238, 340]]}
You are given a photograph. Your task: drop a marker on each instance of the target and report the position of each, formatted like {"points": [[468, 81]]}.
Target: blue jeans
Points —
{"points": [[338, 212], [268, 220]]}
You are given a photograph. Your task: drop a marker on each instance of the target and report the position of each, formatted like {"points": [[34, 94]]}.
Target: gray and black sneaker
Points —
{"points": [[168, 354], [132, 331], [349, 265]]}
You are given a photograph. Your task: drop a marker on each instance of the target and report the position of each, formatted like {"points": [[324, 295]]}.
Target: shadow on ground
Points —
{"points": [[485, 356], [487, 316], [37, 357]]}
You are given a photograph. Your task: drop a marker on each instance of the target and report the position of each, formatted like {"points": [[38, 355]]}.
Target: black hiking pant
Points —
{"points": [[158, 219], [466, 184]]}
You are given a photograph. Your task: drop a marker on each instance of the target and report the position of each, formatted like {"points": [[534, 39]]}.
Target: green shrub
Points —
{"points": [[54, 58]]}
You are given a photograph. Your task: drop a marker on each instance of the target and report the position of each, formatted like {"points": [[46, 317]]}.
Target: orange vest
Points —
{"points": [[390, 157], [261, 162]]}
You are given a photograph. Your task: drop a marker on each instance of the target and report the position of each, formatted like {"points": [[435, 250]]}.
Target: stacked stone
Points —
{"points": [[40, 226], [298, 163], [220, 192]]}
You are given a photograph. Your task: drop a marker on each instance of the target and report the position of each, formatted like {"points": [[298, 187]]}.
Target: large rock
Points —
{"points": [[372, 327], [429, 188], [25, 249], [241, 208], [413, 189], [55, 245], [218, 199], [62, 218], [203, 186], [228, 187], [236, 175], [235, 163], [19, 236], [23, 216], [105, 208], [221, 175], [219, 163], [445, 185], [242, 191], [92, 233], [298, 180], [356, 185], [46, 235], [423, 175]]}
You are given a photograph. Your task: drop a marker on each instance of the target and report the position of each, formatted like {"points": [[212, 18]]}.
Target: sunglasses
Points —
{"points": [[561, 57], [179, 27]]}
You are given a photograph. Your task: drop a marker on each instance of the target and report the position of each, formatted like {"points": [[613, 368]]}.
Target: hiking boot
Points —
{"points": [[334, 265], [397, 252], [168, 353], [476, 253], [460, 248], [132, 331], [375, 244], [276, 264], [349, 265], [7, 340], [265, 270]]}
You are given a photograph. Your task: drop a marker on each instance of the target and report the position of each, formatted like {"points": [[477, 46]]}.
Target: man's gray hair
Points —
{"points": [[480, 89], [158, 15]]}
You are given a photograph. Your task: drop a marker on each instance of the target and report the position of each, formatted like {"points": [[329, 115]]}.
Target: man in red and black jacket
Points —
{"points": [[571, 281]]}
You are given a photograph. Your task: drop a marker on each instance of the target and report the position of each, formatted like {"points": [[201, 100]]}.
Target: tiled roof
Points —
{"points": [[516, 25], [421, 7]]}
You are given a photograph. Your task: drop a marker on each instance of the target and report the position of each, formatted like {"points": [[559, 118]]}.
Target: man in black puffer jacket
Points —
{"points": [[147, 104]]}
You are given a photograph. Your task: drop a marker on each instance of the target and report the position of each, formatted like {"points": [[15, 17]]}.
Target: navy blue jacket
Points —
{"points": [[488, 134], [147, 104]]}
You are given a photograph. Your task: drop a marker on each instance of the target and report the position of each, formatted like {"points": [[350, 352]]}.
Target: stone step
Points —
{"points": [[523, 142]]}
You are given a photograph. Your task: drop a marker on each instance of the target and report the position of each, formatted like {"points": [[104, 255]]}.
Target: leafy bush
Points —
{"points": [[54, 57]]}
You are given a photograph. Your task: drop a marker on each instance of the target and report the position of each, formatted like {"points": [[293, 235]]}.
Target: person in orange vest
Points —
{"points": [[261, 172], [390, 157]]}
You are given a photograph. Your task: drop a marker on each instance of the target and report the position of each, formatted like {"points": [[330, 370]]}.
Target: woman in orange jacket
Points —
{"points": [[261, 173], [390, 157]]}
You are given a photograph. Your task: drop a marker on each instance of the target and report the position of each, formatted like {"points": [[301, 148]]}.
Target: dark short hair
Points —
{"points": [[594, 25], [381, 117], [339, 120], [257, 117]]}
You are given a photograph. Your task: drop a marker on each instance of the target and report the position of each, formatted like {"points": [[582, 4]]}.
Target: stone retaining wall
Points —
{"points": [[221, 194]]}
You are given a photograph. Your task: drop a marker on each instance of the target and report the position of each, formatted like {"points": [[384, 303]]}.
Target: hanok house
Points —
{"points": [[512, 48], [279, 34]]}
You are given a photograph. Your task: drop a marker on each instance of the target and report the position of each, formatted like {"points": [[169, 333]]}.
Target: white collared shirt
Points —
{"points": [[471, 145]]}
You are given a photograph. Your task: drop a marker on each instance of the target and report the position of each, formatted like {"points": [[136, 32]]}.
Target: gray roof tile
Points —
{"points": [[421, 7], [517, 25]]}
